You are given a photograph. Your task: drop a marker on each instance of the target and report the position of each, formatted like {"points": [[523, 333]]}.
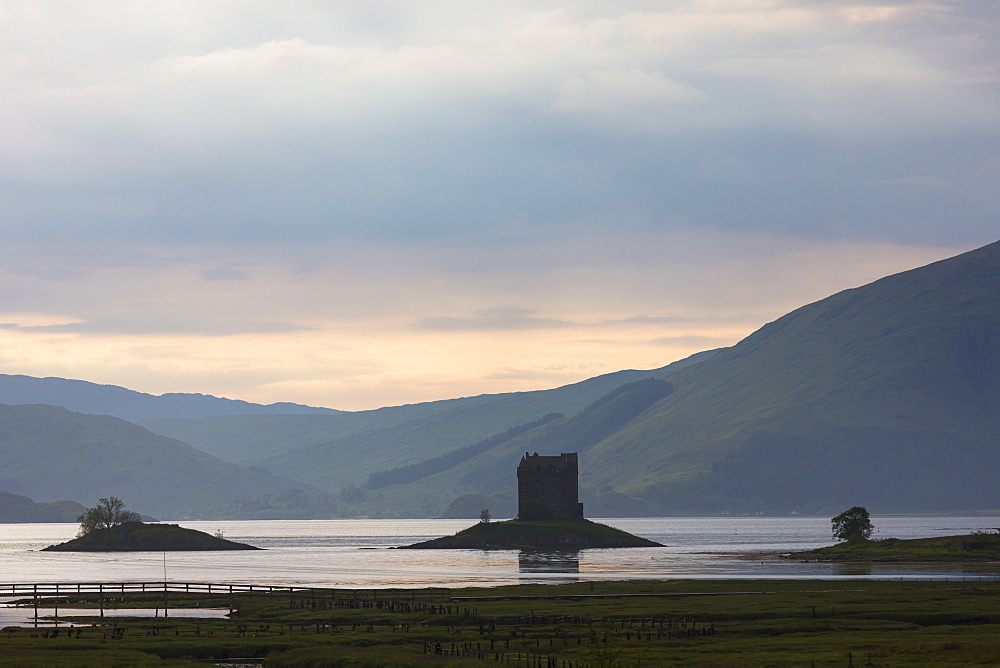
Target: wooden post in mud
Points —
{"points": [[164, 585], [36, 606], [101, 598]]}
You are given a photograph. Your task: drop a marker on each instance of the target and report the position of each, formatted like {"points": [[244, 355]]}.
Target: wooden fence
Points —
{"points": [[101, 591]]}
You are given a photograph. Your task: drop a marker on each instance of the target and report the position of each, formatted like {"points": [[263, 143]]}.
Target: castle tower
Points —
{"points": [[547, 487]]}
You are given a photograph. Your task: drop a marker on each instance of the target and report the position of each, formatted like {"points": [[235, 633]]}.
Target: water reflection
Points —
{"points": [[548, 562], [326, 553], [27, 616], [851, 570]]}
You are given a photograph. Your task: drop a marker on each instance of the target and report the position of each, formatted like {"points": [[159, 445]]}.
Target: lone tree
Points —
{"points": [[106, 514], [852, 525]]}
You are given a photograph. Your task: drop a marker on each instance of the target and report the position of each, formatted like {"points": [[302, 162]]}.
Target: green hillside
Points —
{"points": [[51, 453], [492, 473], [331, 451], [406, 474], [886, 395]]}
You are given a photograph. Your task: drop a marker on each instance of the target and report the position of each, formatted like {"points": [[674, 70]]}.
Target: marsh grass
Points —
{"points": [[728, 623]]}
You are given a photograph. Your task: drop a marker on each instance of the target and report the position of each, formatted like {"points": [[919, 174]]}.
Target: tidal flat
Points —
{"points": [[628, 623]]}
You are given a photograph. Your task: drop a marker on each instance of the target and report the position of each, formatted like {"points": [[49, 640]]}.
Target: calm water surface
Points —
{"points": [[354, 553], [11, 615]]}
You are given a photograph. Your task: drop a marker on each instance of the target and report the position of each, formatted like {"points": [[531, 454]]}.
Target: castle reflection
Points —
{"points": [[548, 562]]}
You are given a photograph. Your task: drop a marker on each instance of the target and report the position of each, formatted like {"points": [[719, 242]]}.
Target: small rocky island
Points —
{"points": [[141, 537], [108, 527], [550, 516], [542, 535]]}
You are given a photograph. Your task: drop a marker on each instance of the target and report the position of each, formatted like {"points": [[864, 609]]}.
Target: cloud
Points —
{"points": [[686, 319], [172, 325], [343, 334], [921, 182], [345, 122], [506, 318], [870, 14], [548, 374], [224, 274], [637, 98], [704, 342]]}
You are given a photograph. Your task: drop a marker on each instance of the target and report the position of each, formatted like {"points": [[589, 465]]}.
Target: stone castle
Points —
{"points": [[547, 487]]}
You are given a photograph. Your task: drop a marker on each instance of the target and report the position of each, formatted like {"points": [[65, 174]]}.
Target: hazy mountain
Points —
{"points": [[886, 395], [331, 451], [492, 472], [15, 508], [50, 453], [81, 396]]}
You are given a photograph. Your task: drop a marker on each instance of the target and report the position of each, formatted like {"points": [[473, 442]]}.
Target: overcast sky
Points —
{"points": [[364, 203]]}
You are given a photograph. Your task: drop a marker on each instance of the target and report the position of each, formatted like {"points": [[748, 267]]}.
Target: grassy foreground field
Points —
{"points": [[670, 623]]}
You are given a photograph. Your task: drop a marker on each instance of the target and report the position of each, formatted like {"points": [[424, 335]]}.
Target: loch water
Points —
{"points": [[358, 554]]}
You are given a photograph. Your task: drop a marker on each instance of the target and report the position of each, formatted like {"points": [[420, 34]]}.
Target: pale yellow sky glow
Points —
{"points": [[338, 336]]}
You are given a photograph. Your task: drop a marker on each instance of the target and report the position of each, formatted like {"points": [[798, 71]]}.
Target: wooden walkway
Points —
{"points": [[121, 588], [49, 589], [100, 592]]}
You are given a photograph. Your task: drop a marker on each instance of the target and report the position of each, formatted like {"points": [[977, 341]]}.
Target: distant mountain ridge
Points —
{"points": [[50, 453], [15, 508], [333, 451], [492, 473], [81, 396]]}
